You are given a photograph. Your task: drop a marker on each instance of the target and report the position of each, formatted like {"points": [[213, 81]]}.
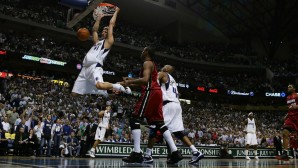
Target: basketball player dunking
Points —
{"points": [[149, 106], [90, 79], [172, 111], [291, 120], [251, 136]]}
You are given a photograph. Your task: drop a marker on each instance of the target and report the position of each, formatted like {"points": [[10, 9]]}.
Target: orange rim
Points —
{"points": [[106, 4]]}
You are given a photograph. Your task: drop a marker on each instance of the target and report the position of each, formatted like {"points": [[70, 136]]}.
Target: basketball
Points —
{"points": [[83, 34]]}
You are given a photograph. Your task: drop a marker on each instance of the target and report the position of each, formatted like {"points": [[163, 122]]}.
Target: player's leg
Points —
{"points": [[256, 151], [92, 150], [135, 156], [255, 145], [110, 86], [148, 154], [286, 137], [154, 116], [96, 77], [159, 126], [196, 154], [247, 144], [175, 154], [80, 84], [99, 136], [172, 113]]}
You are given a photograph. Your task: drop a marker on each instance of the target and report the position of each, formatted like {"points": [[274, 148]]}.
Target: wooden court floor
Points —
{"points": [[14, 161]]}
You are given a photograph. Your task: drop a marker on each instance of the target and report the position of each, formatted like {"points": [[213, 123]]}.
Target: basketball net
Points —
{"points": [[89, 9], [104, 8]]}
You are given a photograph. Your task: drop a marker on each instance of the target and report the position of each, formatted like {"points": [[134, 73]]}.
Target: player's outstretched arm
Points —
{"points": [[128, 78], [110, 39], [148, 66], [96, 27]]}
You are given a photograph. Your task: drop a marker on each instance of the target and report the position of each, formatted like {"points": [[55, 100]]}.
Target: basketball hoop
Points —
{"points": [[104, 8]]}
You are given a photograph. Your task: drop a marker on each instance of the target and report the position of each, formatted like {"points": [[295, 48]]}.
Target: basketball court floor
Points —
{"points": [[13, 161]]}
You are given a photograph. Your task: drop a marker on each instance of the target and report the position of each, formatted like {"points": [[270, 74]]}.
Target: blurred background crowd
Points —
{"points": [[38, 117]]}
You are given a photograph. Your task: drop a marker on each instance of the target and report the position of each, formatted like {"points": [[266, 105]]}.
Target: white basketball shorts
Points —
{"points": [[251, 139], [100, 134], [87, 79], [172, 114]]}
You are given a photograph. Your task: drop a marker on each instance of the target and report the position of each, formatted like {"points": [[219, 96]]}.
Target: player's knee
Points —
{"points": [[179, 134], [152, 133], [162, 127], [99, 85], [285, 132], [134, 123]]}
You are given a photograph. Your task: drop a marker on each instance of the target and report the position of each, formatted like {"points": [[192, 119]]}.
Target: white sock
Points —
{"points": [[149, 151], [193, 148], [93, 149], [136, 133], [168, 137], [255, 152], [116, 86], [246, 152]]}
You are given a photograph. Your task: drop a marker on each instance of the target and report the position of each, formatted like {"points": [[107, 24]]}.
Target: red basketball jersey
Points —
{"points": [[292, 100], [152, 83]]}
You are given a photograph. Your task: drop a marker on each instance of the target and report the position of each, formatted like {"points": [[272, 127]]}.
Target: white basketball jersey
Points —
{"points": [[169, 90], [96, 54], [104, 121], [251, 126]]}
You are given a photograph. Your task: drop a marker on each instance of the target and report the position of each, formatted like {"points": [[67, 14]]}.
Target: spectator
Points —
{"points": [[21, 142], [6, 125], [3, 143], [46, 136], [56, 136], [22, 125], [32, 143], [73, 145]]}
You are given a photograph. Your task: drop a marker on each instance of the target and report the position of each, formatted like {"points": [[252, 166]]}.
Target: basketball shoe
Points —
{"points": [[175, 157], [147, 159], [196, 156], [134, 157], [284, 156], [92, 153]]}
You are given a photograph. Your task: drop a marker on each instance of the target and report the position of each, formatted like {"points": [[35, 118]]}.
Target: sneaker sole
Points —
{"points": [[198, 159], [132, 162]]}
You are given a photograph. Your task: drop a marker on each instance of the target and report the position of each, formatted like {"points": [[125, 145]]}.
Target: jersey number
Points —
{"points": [[175, 91], [96, 47]]}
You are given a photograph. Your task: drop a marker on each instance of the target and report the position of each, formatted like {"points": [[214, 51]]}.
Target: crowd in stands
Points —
{"points": [[64, 51], [38, 115], [55, 15]]}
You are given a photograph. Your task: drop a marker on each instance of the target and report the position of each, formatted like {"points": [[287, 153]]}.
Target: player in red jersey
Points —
{"points": [[291, 120], [149, 106]]}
